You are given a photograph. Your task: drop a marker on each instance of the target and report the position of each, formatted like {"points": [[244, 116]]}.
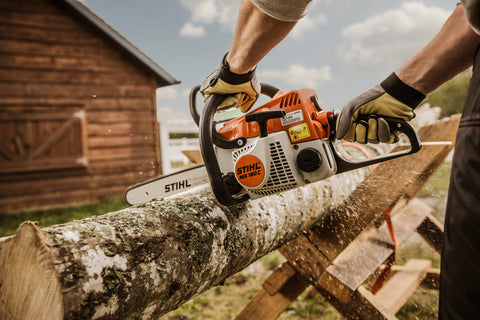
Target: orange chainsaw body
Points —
{"points": [[305, 120]]}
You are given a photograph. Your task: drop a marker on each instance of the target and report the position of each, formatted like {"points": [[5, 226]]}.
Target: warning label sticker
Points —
{"points": [[292, 117], [299, 132], [249, 171]]}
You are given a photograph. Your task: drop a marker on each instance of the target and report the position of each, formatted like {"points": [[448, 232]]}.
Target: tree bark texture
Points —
{"points": [[144, 261]]}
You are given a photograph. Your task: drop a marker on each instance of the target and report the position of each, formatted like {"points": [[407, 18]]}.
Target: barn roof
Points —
{"points": [[163, 77]]}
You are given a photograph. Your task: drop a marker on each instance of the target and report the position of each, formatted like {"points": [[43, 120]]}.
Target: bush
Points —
{"points": [[450, 96]]}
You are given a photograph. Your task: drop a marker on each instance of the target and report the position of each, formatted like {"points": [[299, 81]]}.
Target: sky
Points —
{"points": [[339, 49]]}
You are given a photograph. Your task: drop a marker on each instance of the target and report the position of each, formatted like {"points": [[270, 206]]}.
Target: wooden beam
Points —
{"points": [[431, 281], [279, 290], [431, 231], [400, 287], [194, 155], [362, 305], [369, 250]]}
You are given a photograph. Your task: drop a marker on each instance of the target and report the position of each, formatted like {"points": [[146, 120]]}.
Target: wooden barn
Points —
{"points": [[78, 118]]}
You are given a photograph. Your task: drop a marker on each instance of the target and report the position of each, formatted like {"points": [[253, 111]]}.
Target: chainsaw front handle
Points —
{"points": [[266, 89], [206, 131]]}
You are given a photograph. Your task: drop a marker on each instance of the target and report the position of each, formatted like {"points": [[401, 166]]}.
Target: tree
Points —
{"points": [[450, 96]]}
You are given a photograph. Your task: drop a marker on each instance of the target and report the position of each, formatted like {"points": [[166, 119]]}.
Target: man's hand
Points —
{"points": [[361, 119], [242, 90]]}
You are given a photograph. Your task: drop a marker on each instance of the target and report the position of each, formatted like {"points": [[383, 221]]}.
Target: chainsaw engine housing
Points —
{"points": [[269, 165], [294, 151]]}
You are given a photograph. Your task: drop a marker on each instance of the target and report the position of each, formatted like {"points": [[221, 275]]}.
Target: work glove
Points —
{"points": [[242, 90], [361, 119]]}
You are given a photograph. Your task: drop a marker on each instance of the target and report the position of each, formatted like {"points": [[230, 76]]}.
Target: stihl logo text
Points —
{"points": [[177, 186], [249, 171]]}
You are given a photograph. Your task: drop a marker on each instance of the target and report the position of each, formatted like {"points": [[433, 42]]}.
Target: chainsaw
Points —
{"points": [[286, 143]]}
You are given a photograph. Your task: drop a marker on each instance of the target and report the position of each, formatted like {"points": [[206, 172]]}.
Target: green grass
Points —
{"points": [[437, 185], [10, 222]]}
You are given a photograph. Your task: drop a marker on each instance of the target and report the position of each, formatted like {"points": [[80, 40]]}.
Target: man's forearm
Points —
{"points": [[449, 53], [472, 10], [255, 35]]}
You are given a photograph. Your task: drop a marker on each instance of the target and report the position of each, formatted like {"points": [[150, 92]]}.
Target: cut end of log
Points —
{"points": [[31, 290]]}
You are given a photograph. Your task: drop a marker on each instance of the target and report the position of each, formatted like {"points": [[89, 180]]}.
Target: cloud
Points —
{"points": [[307, 24], [299, 76], [191, 30], [206, 12], [168, 93], [385, 41], [168, 113]]}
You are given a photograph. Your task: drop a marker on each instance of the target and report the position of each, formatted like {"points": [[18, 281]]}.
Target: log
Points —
{"points": [[144, 261]]}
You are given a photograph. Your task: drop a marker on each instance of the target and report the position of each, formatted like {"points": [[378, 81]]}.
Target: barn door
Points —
{"points": [[42, 138]]}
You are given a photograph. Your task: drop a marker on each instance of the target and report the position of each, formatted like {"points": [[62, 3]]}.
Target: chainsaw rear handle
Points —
{"points": [[395, 125]]}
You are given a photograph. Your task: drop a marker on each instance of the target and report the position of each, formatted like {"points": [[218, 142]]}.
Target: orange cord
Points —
{"points": [[359, 147], [391, 260]]}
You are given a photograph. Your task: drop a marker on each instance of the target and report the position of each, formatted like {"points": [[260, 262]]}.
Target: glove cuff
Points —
{"points": [[402, 91], [233, 78]]}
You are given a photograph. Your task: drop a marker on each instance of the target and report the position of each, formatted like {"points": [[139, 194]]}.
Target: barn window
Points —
{"points": [[42, 138]]}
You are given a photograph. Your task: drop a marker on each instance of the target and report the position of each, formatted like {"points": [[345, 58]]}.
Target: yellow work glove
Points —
{"points": [[241, 90], [361, 119]]}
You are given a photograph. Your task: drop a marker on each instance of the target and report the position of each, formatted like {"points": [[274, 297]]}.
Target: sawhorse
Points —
{"points": [[350, 245]]}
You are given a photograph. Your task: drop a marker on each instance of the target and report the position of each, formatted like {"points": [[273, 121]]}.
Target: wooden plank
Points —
{"points": [[24, 114], [112, 116], [51, 49], [279, 277], [194, 155], [279, 290], [127, 140], [431, 231], [18, 30], [144, 152], [42, 164], [37, 18], [30, 61], [431, 281], [305, 257], [362, 305], [79, 77], [13, 27], [76, 91], [144, 127], [369, 250], [400, 287]]}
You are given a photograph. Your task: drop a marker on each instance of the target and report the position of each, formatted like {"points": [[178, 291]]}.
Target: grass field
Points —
{"points": [[224, 302], [10, 222]]}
